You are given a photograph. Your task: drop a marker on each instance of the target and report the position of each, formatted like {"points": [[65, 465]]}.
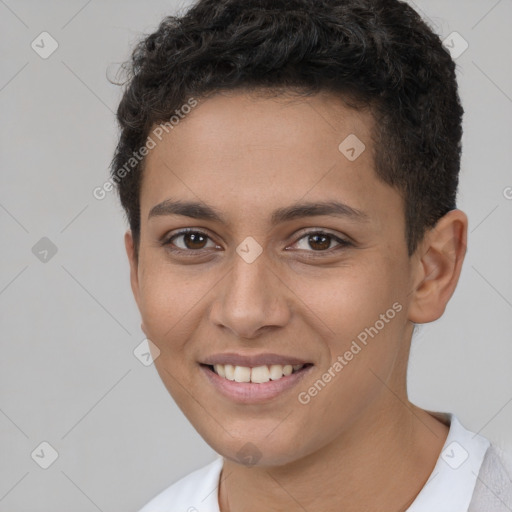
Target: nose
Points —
{"points": [[251, 299]]}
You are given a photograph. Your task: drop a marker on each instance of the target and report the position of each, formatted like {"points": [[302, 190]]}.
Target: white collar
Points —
{"points": [[452, 481], [448, 489]]}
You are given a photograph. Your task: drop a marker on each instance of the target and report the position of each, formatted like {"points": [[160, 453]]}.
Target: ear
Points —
{"points": [[134, 266], [439, 259]]}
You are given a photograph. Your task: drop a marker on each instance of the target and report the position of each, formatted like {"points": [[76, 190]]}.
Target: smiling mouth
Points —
{"points": [[256, 375]]}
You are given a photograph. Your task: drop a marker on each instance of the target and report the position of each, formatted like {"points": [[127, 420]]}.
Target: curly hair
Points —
{"points": [[375, 54]]}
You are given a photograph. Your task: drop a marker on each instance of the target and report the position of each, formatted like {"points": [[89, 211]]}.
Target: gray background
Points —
{"points": [[68, 375]]}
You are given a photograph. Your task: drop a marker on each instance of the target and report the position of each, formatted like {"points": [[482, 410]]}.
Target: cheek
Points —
{"points": [[171, 309], [364, 311], [169, 305], [368, 325], [352, 298]]}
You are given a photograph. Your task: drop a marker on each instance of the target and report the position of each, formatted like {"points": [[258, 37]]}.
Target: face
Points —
{"points": [[258, 280]]}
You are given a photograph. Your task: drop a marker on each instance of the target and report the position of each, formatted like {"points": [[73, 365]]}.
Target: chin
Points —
{"points": [[256, 451]]}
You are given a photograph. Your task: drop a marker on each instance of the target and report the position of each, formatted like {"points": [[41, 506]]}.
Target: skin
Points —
{"points": [[359, 444]]}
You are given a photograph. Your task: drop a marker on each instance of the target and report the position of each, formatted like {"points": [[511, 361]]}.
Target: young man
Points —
{"points": [[289, 172]]}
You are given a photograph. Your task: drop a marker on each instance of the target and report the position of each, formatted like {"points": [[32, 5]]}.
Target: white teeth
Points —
{"points": [[258, 374], [242, 374], [229, 371], [276, 371], [219, 368]]}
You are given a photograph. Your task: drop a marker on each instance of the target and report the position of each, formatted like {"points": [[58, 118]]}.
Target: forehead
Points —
{"points": [[241, 151], [229, 122]]}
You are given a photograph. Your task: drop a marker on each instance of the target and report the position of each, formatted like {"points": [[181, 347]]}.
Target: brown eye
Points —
{"points": [[194, 240], [320, 242], [188, 241]]}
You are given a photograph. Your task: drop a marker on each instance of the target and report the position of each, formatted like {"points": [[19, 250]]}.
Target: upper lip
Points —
{"points": [[252, 360]]}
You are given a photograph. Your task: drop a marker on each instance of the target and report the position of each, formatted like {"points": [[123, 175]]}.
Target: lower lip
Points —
{"points": [[250, 392]]}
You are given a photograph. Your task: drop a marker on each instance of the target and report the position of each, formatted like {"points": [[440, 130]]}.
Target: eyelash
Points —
{"points": [[167, 243]]}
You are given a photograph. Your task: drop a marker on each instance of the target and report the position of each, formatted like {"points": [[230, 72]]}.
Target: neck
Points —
{"points": [[381, 462]]}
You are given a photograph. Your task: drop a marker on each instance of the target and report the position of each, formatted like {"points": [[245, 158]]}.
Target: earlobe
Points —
{"points": [[134, 277], [439, 264]]}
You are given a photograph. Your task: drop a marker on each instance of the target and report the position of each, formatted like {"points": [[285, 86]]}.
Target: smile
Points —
{"points": [[258, 374], [256, 384]]}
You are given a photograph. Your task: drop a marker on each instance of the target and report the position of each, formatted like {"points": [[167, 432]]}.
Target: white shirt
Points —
{"points": [[470, 476]]}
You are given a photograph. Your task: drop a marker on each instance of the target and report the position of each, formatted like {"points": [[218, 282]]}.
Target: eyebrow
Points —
{"points": [[202, 211]]}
